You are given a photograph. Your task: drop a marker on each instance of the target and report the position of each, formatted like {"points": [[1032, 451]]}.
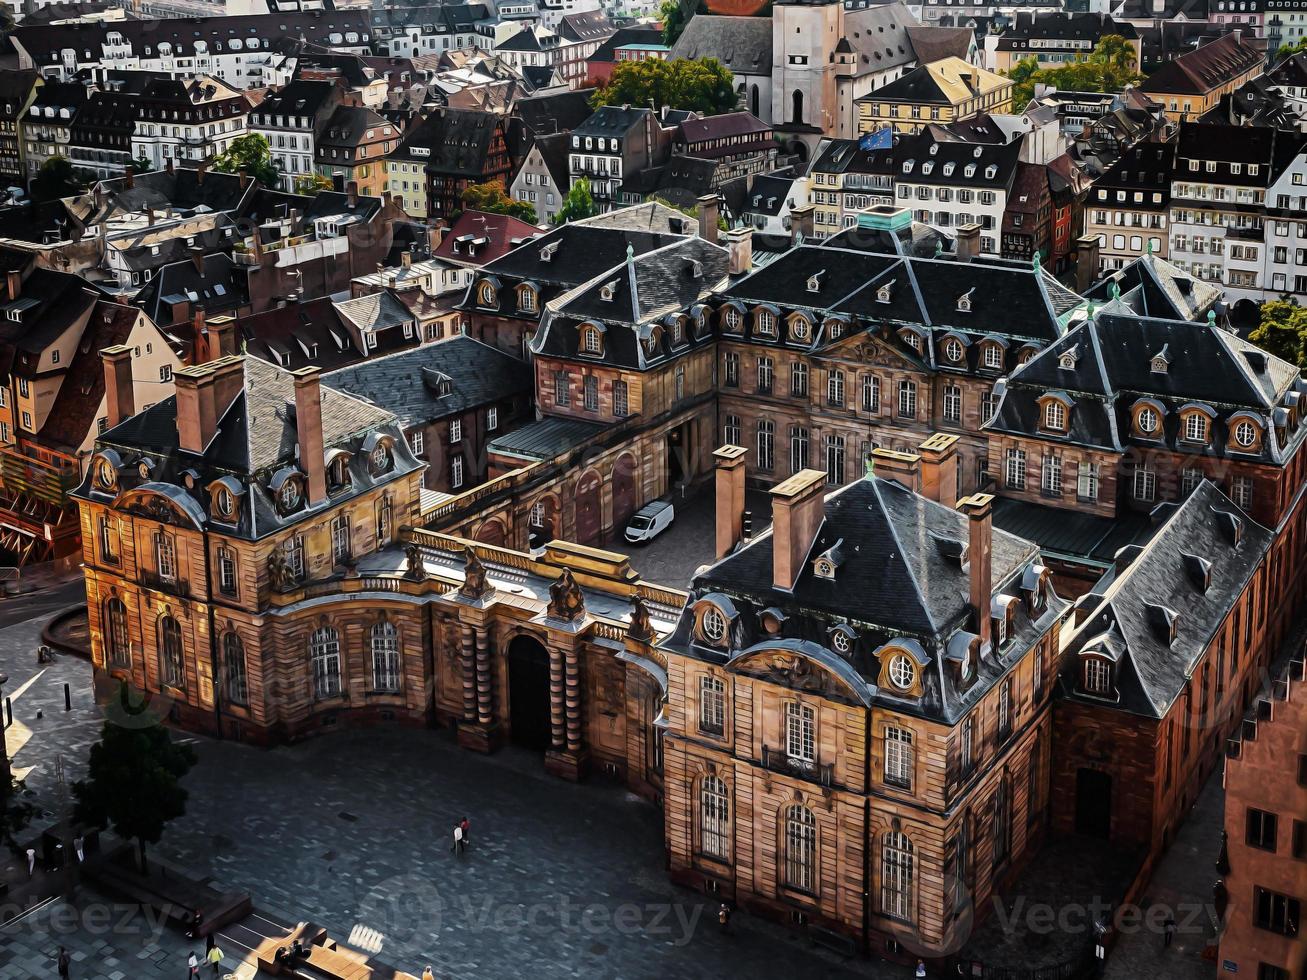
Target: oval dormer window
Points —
{"points": [[289, 495], [380, 457], [224, 502], [1148, 421], [902, 671], [953, 350], [840, 641], [712, 625], [106, 475], [1245, 434]]}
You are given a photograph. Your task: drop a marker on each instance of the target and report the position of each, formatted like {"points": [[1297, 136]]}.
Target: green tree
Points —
{"points": [[704, 86], [14, 812], [1110, 67], [252, 153], [1282, 331], [141, 165], [490, 197], [675, 14], [310, 184], [133, 780], [1289, 50], [57, 178], [577, 205]]}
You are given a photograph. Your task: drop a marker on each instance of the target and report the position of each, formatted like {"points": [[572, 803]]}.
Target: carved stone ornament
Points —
{"points": [[798, 674], [475, 585], [640, 629], [279, 570], [414, 569], [565, 599]]}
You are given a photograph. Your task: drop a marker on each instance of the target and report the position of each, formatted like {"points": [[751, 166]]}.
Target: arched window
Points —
{"points": [[120, 646], [385, 657], [800, 847], [233, 663], [1002, 821], [714, 818], [324, 652], [896, 876], [797, 115], [171, 664]]}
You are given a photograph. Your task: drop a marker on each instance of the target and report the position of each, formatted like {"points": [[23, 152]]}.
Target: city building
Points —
{"points": [[1193, 83], [614, 143], [46, 129], [844, 180], [455, 148], [353, 143], [940, 92], [289, 119], [543, 180], [744, 47], [194, 118], [17, 90], [1055, 39], [1128, 207]]}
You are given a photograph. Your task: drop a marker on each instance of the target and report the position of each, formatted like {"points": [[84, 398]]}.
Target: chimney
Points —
{"points": [[802, 223], [406, 259], [197, 417], [436, 235], [902, 468], [739, 243], [119, 394], [979, 539], [308, 432], [968, 246], [730, 497], [352, 193], [1086, 262], [130, 178], [939, 468], [244, 178], [797, 514], [149, 216], [199, 172], [222, 336], [200, 338], [709, 207], [14, 284], [197, 258]]}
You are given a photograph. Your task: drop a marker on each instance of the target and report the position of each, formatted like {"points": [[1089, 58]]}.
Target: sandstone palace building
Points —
{"points": [[1030, 553]]}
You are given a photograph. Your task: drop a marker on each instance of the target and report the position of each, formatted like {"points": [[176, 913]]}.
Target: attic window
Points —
{"points": [[964, 301], [1161, 362], [606, 291], [1097, 677], [814, 281], [884, 293], [1199, 571], [1067, 360]]}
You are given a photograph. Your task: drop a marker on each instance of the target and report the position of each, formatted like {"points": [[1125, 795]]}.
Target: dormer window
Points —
{"points": [[712, 625], [380, 457], [964, 301], [288, 497], [884, 294], [486, 294], [953, 350], [1097, 677], [1245, 434], [991, 172], [1147, 421], [766, 323], [1055, 416], [1195, 427], [814, 281], [526, 299], [912, 339], [1066, 361], [592, 339], [731, 319], [902, 671], [800, 328], [993, 356]]}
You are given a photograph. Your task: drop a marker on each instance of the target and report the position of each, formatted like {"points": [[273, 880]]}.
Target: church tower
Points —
{"points": [[804, 91]]}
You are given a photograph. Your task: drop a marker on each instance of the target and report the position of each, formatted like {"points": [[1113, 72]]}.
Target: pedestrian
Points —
{"points": [[724, 917], [427, 974], [921, 969], [215, 960], [209, 942], [192, 966], [79, 845], [466, 828], [458, 839], [1168, 931], [65, 963], [31, 861]]}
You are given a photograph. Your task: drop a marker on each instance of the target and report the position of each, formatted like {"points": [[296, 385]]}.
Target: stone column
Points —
{"points": [[468, 656], [557, 725], [572, 674], [485, 705]]}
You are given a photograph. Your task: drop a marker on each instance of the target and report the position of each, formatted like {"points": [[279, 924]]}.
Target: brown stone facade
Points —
{"points": [[1265, 859]]}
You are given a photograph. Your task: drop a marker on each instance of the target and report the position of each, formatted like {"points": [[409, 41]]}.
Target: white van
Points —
{"points": [[650, 521]]}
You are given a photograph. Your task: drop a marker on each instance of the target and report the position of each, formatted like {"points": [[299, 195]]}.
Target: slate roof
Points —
{"points": [[1206, 535], [301, 97], [1061, 26], [623, 36], [933, 43], [221, 287], [458, 141], [554, 112], [1146, 167], [768, 194], [1113, 370], [374, 312], [407, 384], [879, 35], [547, 438], [255, 439], [1062, 533], [741, 44], [348, 127], [970, 162], [612, 120], [50, 303], [900, 577], [1153, 287], [182, 189], [587, 25], [949, 81], [299, 334]]}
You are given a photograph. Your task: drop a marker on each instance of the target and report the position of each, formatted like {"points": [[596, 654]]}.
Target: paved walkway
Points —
{"points": [[672, 558], [1182, 886]]}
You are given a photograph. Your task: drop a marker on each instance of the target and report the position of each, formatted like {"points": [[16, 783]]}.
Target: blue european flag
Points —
{"points": [[882, 139]]}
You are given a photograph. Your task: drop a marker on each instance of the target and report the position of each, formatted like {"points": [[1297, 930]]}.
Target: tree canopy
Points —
{"points": [[1110, 67], [490, 197], [1282, 331], [310, 184], [133, 781], [578, 204], [59, 178], [1289, 50], [704, 86], [252, 153], [675, 14]]}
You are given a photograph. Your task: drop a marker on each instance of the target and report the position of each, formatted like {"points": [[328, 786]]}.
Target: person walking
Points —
{"points": [[65, 963], [31, 862], [466, 828], [192, 966], [1168, 931], [921, 969], [214, 959], [427, 974], [458, 839], [724, 917]]}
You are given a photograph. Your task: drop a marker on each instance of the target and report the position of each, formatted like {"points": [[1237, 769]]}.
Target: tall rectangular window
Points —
{"points": [[621, 400], [731, 430], [562, 385], [870, 393], [800, 732], [108, 540], [165, 557], [764, 375], [456, 471], [590, 391], [1261, 829], [712, 705], [731, 369], [835, 460], [227, 571], [952, 403], [340, 539], [1051, 476], [1087, 481], [835, 389], [898, 757], [293, 553], [798, 449], [799, 379], [1015, 469], [1275, 912], [766, 444], [907, 399]]}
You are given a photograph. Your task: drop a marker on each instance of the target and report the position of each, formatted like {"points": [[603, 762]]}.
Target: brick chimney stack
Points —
{"points": [[730, 497], [803, 223], [797, 513], [119, 394], [204, 393], [709, 208], [308, 432], [902, 468], [980, 536], [968, 242], [939, 468], [1087, 259], [739, 245]]}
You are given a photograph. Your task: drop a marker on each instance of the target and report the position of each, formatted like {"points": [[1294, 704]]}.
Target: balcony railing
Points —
{"points": [[814, 772]]}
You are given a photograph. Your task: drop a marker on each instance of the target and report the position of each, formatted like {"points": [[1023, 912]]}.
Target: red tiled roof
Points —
{"points": [[498, 230]]}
